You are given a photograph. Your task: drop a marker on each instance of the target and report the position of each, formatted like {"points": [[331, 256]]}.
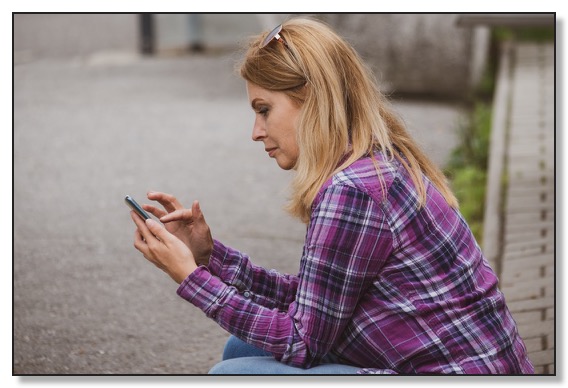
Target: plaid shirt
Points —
{"points": [[381, 285]]}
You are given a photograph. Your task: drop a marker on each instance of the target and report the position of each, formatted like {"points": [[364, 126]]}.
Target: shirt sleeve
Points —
{"points": [[347, 243], [266, 287]]}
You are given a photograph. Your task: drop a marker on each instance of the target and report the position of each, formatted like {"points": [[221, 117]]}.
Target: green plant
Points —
{"points": [[467, 168], [469, 187], [474, 135], [532, 34]]}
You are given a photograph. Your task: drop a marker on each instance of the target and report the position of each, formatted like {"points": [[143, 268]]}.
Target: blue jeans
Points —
{"points": [[242, 358]]}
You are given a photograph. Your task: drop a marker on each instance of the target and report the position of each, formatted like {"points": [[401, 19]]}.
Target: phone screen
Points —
{"points": [[136, 207]]}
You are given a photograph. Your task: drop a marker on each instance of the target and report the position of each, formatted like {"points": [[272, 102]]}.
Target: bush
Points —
{"points": [[474, 135], [469, 187], [467, 169]]}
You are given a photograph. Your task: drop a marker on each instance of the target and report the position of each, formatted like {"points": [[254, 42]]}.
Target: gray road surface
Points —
{"points": [[89, 131]]}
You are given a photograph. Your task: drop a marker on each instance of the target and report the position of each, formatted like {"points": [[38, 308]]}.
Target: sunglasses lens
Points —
{"points": [[271, 36]]}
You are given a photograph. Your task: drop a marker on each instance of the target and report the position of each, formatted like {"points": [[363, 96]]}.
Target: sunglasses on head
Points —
{"points": [[274, 35]]}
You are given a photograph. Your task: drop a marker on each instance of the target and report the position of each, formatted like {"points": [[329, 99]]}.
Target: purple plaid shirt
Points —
{"points": [[381, 285]]}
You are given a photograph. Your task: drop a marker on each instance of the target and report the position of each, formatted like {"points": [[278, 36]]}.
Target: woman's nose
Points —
{"points": [[258, 131]]}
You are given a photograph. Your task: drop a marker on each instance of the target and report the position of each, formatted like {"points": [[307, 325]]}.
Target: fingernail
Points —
{"points": [[150, 222]]}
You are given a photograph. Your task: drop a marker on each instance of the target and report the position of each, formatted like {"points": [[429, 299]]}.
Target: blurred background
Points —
{"points": [[107, 105]]}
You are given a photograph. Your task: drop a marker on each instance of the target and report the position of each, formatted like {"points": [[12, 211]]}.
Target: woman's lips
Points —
{"points": [[271, 151]]}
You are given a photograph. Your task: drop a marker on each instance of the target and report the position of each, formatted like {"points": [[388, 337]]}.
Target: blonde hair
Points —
{"points": [[343, 117]]}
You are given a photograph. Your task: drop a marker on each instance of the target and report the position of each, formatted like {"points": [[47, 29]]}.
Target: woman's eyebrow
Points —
{"points": [[255, 102]]}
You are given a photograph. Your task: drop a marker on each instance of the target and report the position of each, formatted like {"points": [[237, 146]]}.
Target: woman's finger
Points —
{"points": [[141, 245], [168, 201], [154, 210], [178, 215], [158, 231], [196, 209], [139, 242], [142, 228]]}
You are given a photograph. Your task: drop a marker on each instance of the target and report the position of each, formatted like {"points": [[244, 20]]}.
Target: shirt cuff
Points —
{"points": [[217, 257], [228, 264], [205, 291]]}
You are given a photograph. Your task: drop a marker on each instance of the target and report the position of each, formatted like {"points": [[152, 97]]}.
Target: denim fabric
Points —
{"points": [[242, 358]]}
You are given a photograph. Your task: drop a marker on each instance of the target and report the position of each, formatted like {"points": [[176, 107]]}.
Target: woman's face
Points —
{"points": [[276, 118]]}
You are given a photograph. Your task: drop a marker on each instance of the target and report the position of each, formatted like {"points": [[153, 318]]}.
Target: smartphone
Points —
{"points": [[136, 207]]}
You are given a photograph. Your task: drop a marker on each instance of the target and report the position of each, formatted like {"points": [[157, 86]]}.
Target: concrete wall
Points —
{"points": [[55, 35], [410, 53], [216, 30], [64, 35], [417, 53]]}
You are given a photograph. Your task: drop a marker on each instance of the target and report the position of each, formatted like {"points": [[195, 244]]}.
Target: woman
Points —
{"points": [[391, 279]]}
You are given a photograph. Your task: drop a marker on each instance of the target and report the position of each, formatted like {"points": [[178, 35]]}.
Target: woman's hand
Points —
{"points": [[186, 224], [163, 249]]}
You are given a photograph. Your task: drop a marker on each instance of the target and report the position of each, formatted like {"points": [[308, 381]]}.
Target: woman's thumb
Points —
{"points": [[196, 210], [156, 229]]}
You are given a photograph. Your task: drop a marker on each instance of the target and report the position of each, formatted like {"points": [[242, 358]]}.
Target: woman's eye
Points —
{"points": [[263, 111]]}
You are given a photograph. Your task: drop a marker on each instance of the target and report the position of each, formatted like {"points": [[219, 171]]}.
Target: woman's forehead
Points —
{"points": [[257, 92]]}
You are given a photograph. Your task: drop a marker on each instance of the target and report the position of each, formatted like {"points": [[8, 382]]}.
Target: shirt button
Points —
{"points": [[246, 294]]}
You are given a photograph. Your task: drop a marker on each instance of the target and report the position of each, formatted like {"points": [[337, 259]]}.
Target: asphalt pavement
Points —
{"points": [[90, 130]]}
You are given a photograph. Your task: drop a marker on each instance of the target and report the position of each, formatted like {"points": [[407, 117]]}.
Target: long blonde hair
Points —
{"points": [[343, 117]]}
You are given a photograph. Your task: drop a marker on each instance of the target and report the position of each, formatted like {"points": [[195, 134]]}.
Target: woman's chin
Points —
{"points": [[286, 165]]}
